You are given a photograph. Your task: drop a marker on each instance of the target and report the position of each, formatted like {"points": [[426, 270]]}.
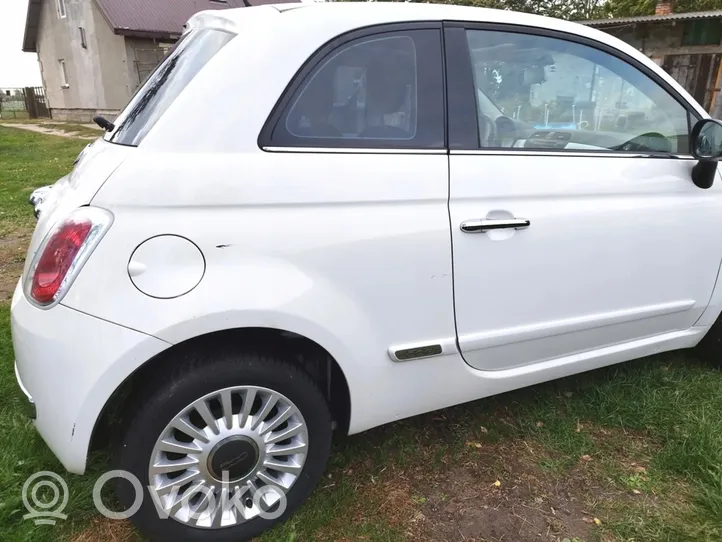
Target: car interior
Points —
{"points": [[366, 91], [542, 93]]}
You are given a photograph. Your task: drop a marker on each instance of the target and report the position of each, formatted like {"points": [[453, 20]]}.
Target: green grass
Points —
{"points": [[652, 430], [27, 161], [71, 128]]}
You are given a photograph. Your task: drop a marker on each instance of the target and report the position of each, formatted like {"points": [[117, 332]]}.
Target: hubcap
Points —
{"points": [[222, 450]]}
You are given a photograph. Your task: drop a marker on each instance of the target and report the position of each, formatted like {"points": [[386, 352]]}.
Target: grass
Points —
{"points": [[27, 161], [629, 453], [70, 128]]}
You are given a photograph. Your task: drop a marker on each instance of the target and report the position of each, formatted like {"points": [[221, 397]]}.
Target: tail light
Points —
{"points": [[62, 254]]}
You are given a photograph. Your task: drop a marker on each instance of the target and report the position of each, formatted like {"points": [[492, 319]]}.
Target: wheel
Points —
{"points": [[709, 349], [226, 444]]}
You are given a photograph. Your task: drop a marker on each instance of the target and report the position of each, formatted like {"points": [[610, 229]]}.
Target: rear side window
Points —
{"points": [[378, 91], [165, 84]]}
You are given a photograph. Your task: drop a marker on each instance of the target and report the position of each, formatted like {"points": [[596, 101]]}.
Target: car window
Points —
{"points": [[539, 92], [165, 84], [379, 91]]}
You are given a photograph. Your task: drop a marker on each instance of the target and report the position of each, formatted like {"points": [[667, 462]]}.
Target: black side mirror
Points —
{"points": [[707, 148]]}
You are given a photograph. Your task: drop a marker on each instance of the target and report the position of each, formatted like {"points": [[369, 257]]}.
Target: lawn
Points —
{"points": [[628, 453]]}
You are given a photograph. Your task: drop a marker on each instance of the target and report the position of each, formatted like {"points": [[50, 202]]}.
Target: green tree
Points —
{"points": [[561, 9], [633, 8]]}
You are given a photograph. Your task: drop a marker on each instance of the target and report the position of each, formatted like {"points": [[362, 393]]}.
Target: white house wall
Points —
{"points": [[97, 76]]}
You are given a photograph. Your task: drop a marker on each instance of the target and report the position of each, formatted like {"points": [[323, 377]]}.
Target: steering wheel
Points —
{"points": [[647, 142], [505, 131]]}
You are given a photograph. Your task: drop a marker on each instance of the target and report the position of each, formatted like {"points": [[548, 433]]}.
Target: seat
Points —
{"points": [[387, 83]]}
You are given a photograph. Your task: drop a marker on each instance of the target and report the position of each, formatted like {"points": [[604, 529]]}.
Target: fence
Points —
{"points": [[23, 103]]}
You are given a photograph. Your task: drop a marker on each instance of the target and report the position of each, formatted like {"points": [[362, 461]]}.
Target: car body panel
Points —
{"points": [[70, 381], [352, 250], [613, 253]]}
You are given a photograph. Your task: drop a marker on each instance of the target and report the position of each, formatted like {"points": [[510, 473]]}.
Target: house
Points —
{"points": [[93, 54], [687, 45]]}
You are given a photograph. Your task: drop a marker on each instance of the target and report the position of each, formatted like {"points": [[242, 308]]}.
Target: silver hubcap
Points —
{"points": [[221, 450]]}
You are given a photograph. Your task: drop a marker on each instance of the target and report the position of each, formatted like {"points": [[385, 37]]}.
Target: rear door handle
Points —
{"points": [[487, 224]]}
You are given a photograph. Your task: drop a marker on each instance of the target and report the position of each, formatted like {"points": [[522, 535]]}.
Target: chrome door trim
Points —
{"points": [[584, 154], [482, 225], [343, 150]]}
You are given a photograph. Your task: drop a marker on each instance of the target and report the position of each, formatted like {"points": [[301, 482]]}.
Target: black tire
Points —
{"points": [[709, 349], [190, 380]]}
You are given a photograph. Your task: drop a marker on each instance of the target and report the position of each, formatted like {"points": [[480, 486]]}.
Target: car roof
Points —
{"points": [[357, 14], [335, 18], [319, 22]]}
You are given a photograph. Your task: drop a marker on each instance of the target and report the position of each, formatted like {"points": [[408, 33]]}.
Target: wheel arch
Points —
{"points": [[315, 360]]}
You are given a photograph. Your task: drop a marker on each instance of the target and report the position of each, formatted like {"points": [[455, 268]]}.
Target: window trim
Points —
{"points": [[316, 59], [62, 9], [462, 140], [63, 73]]}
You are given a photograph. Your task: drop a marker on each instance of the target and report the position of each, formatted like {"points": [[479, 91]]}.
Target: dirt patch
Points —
{"points": [[12, 259], [39, 128], [504, 491], [107, 530], [500, 493]]}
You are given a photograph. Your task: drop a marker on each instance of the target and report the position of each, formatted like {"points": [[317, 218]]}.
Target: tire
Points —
{"points": [[194, 379], [709, 348]]}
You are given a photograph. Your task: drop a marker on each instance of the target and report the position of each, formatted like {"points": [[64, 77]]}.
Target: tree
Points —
{"points": [[561, 9], [633, 8]]}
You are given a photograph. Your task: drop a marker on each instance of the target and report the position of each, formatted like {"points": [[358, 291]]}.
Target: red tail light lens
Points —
{"points": [[63, 252], [56, 259]]}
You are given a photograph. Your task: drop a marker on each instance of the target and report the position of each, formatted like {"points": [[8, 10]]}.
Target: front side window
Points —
{"points": [[380, 91], [539, 92], [166, 83]]}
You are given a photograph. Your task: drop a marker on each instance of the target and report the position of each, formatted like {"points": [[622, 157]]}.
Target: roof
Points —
{"points": [[692, 16], [140, 18]]}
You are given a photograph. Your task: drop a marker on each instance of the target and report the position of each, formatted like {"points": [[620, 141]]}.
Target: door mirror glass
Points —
{"points": [[707, 140]]}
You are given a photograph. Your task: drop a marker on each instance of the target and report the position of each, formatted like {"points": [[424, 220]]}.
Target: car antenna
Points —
{"points": [[104, 123]]}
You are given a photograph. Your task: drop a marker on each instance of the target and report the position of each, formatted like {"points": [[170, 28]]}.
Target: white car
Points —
{"points": [[318, 217]]}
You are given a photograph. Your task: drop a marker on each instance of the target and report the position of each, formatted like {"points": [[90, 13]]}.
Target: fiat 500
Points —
{"points": [[393, 209]]}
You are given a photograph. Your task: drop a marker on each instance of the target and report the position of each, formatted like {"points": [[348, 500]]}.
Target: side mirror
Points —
{"points": [[707, 148]]}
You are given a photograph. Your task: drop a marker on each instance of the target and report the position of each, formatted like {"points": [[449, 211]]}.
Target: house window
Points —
{"points": [[61, 9], [83, 43], [63, 74]]}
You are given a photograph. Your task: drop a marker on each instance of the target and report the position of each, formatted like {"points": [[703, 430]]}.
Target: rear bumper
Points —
{"points": [[68, 364]]}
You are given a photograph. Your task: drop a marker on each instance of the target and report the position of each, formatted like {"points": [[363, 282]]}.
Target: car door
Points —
{"points": [[356, 168], [576, 226]]}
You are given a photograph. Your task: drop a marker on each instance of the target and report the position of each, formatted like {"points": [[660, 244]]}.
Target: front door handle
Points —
{"points": [[487, 224]]}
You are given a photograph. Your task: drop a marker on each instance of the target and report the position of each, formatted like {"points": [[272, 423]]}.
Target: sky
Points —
{"points": [[17, 69]]}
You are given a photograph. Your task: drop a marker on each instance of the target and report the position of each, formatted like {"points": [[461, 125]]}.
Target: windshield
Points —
{"points": [[165, 84]]}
